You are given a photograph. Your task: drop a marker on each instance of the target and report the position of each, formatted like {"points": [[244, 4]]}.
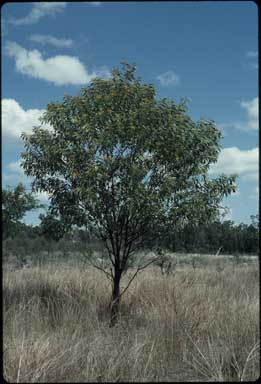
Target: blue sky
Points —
{"points": [[205, 51]]}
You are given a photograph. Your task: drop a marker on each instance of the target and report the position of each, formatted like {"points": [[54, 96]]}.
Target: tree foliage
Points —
{"points": [[15, 203], [51, 227], [227, 236], [126, 162]]}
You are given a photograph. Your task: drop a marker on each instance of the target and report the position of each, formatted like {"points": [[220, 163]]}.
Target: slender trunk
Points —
{"points": [[115, 303]]}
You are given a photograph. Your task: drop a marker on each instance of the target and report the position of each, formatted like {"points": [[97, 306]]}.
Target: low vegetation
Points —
{"points": [[193, 324]]}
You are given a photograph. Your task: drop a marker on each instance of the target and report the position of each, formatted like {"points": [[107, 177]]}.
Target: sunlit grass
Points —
{"points": [[198, 325]]}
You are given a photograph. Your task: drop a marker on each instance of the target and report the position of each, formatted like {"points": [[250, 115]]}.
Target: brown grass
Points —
{"points": [[199, 325]]}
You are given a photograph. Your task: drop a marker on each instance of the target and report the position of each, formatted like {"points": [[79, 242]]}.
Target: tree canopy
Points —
{"points": [[51, 227], [15, 203]]}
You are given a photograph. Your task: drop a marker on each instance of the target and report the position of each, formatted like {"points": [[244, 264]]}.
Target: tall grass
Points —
{"points": [[199, 325]]}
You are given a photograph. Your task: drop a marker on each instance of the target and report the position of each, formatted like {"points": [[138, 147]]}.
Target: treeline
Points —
{"points": [[224, 237], [52, 234]]}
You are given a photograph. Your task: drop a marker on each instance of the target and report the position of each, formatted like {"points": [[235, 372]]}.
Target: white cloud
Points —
{"points": [[43, 9], [233, 160], [95, 3], [226, 215], [15, 174], [256, 191], [169, 78], [60, 70], [51, 40], [255, 194], [38, 11], [235, 194], [250, 177], [15, 167], [42, 196], [253, 65], [252, 60], [252, 54], [229, 214], [251, 121], [3, 27], [251, 107], [15, 178], [16, 120]]}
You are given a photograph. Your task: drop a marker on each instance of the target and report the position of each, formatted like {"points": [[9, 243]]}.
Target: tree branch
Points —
{"points": [[109, 275], [140, 268]]}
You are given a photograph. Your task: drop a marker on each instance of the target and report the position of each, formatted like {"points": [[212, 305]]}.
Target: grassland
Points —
{"points": [[199, 324]]}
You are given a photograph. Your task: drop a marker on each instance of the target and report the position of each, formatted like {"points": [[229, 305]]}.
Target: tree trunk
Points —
{"points": [[115, 303]]}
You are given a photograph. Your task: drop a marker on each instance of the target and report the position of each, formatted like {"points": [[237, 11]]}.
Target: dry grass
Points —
{"points": [[199, 325]]}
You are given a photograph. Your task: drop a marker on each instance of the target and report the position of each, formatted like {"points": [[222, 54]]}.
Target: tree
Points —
{"points": [[51, 227], [126, 162], [255, 229], [15, 203]]}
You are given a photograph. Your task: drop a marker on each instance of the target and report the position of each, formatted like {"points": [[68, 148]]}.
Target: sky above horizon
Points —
{"points": [[204, 51]]}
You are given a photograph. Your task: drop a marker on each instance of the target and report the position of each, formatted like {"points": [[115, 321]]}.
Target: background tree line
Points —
{"points": [[226, 236]]}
